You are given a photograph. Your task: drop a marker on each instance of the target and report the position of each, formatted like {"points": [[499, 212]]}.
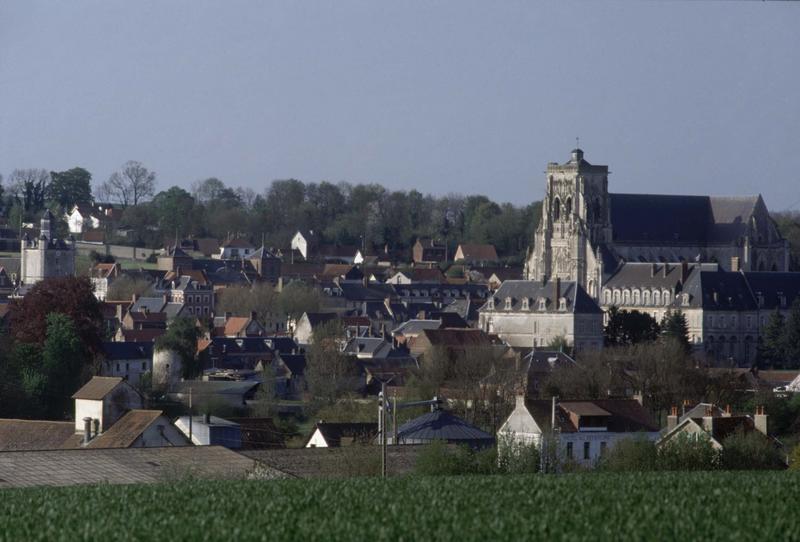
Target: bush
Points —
{"points": [[631, 454], [687, 452], [518, 458], [441, 459], [749, 451]]}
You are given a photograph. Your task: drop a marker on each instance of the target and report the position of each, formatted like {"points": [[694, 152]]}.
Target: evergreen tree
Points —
{"points": [[792, 337], [771, 351], [674, 326]]}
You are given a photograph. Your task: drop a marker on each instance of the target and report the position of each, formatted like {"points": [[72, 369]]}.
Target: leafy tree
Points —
{"points": [[70, 187], [181, 337], [629, 327], [792, 336], [675, 326], [751, 450], [132, 184], [66, 363], [174, 209], [685, 452], [70, 296], [126, 286], [244, 300]]}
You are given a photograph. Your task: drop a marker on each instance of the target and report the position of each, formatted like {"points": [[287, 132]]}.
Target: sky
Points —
{"points": [[438, 96]]}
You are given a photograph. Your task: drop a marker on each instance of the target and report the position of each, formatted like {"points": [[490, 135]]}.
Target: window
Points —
{"points": [[626, 297], [508, 303], [646, 297], [606, 297], [749, 322], [656, 298], [542, 304], [562, 304], [525, 303], [710, 320], [587, 450], [556, 209], [569, 450], [490, 304], [722, 321], [117, 366]]}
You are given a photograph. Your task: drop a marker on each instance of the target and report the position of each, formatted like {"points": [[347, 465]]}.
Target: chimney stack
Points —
{"points": [[708, 419], [207, 418], [672, 419], [558, 290], [727, 411], [684, 271], [665, 270], [735, 264], [653, 270], [96, 424], [87, 430], [760, 419]]}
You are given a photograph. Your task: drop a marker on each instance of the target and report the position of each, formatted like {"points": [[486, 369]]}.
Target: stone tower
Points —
{"points": [[575, 224], [45, 257]]}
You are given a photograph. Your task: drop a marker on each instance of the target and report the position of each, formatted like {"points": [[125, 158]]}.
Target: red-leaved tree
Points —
{"points": [[72, 296]]}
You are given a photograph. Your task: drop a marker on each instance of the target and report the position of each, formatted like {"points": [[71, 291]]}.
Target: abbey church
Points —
{"points": [[586, 233]]}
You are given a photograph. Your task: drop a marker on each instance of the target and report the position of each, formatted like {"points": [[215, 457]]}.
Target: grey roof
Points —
{"points": [[120, 466], [669, 219], [415, 327], [127, 350], [577, 299], [34, 435], [441, 425], [650, 275], [717, 290], [771, 286], [152, 304], [373, 346]]}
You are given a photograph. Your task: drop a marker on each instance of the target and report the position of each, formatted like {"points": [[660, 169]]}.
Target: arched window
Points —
{"points": [[568, 208], [656, 298], [606, 297], [637, 297], [616, 297], [626, 297], [646, 296], [665, 297], [556, 209]]}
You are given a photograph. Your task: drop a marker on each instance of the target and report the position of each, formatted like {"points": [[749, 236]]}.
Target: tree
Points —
{"points": [[629, 327], [329, 372], [792, 336], [65, 363], [70, 296], [132, 184], [751, 450], [126, 286], [674, 326], [181, 337], [70, 187], [244, 300], [174, 209], [30, 186], [296, 299], [772, 349]]}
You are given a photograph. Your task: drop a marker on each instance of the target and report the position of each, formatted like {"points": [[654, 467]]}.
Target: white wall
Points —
{"points": [[316, 440], [85, 408]]}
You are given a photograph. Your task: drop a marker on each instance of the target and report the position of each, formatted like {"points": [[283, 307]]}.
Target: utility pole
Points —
{"points": [[382, 426], [190, 414], [394, 418]]}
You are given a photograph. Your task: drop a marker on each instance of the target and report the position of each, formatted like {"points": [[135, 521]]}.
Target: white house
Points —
{"points": [[105, 399], [234, 249], [334, 435], [80, 217], [303, 242], [584, 430]]}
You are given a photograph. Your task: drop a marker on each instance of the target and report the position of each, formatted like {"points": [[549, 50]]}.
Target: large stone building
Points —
{"points": [[586, 233], [45, 257]]}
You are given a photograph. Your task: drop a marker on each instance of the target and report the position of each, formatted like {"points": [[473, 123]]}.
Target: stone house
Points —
{"points": [[428, 251], [530, 313], [476, 254]]}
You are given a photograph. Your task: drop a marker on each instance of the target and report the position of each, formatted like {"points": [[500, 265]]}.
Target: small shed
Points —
{"points": [[444, 426]]}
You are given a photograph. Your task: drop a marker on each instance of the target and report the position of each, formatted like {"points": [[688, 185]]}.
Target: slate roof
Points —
{"points": [[459, 338], [638, 275], [317, 318], [415, 327], [34, 435], [441, 425], [126, 430], [718, 290], [668, 219], [296, 363], [371, 346], [237, 242], [478, 253], [772, 285], [127, 350], [120, 466], [578, 300], [97, 388]]}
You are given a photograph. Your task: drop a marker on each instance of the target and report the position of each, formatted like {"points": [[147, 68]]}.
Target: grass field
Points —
{"points": [[664, 506]]}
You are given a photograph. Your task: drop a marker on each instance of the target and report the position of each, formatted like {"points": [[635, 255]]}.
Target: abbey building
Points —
{"points": [[586, 233]]}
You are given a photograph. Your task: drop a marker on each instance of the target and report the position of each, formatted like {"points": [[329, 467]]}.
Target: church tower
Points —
{"points": [[575, 224], [45, 257]]}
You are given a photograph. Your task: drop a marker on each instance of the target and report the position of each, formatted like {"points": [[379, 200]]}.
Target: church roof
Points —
{"points": [[577, 299], [668, 219]]}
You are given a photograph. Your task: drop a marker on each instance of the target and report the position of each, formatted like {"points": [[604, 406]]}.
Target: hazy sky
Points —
{"points": [[439, 96]]}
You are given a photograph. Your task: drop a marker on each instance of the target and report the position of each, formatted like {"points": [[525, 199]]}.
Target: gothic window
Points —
{"points": [[556, 209], [666, 297], [568, 208]]}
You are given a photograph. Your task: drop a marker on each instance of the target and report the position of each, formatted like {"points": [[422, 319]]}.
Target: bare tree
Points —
{"points": [[30, 186], [130, 185]]}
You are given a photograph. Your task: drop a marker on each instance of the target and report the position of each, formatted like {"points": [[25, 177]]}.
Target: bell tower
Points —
{"points": [[575, 220]]}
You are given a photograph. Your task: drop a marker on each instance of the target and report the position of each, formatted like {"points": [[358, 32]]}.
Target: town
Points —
{"points": [[350, 321]]}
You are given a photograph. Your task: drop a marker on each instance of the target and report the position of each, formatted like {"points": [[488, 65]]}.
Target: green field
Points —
{"points": [[663, 506]]}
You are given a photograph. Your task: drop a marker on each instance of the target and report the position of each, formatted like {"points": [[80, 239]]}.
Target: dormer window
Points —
{"points": [[490, 304], [562, 304], [542, 304], [508, 303], [685, 300], [525, 304]]}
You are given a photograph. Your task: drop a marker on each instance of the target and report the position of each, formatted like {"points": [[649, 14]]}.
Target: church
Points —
{"points": [[586, 234], [45, 256]]}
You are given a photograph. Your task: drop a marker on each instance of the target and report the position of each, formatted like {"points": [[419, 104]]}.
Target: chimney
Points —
{"points": [[665, 270], [87, 430], [653, 270], [96, 424], [735, 264], [520, 400], [207, 418], [760, 419], [684, 271], [253, 315], [135, 298], [708, 420], [672, 419], [727, 413], [228, 315], [558, 290]]}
